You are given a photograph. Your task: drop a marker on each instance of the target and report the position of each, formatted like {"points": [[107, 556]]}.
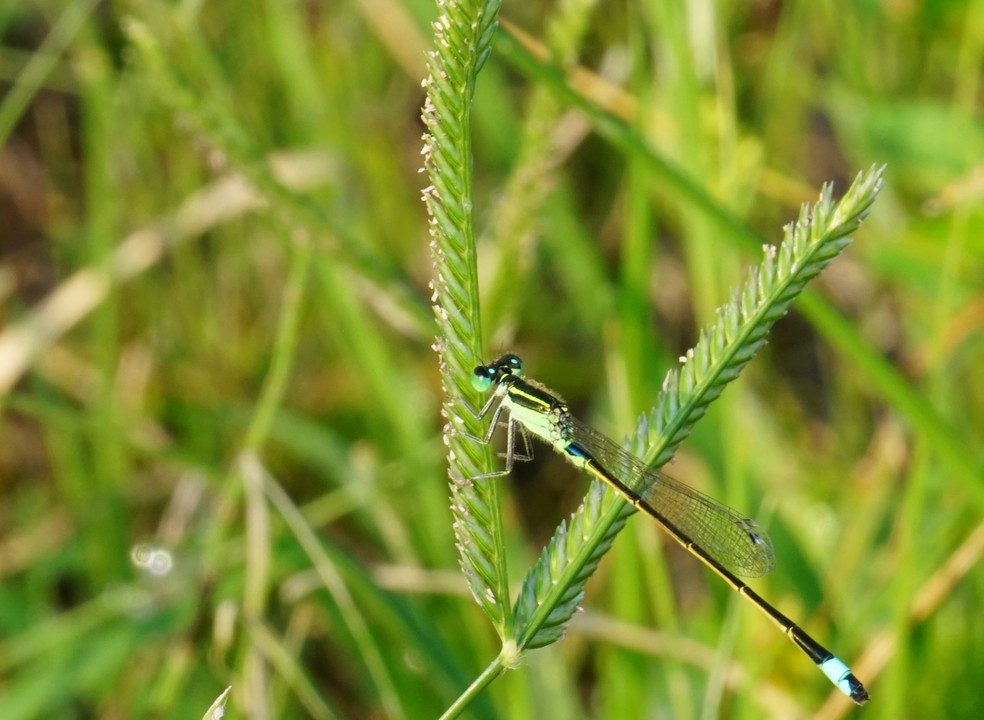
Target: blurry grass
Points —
{"points": [[148, 315]]}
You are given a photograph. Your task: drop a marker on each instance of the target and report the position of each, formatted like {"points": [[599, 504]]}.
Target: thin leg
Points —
{"points": [[510, 454], [527, 453], [492, 425], [460, 401], [511, 428]]}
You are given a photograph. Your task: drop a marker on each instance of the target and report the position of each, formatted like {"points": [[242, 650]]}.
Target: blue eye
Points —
{"points": [[483, 377], [510, 363]]}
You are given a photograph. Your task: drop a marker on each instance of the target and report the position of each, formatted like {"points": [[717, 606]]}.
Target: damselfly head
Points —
{"points": [[510, 364], [485, 376]]}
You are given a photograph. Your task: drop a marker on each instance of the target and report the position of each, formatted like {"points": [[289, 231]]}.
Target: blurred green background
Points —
{"points": [[220, 445]]}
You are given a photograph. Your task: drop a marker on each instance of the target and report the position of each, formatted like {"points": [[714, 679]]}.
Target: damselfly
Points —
{"points": [[721, 538]]}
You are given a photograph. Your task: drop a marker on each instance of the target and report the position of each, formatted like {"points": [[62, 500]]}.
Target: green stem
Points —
{"points": [[284, 348], [481, 682]]}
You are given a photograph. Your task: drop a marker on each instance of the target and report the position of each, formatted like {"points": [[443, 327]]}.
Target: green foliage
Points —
{"points": [[221, 459], [555, 586], [463, 38], [723, 350]]}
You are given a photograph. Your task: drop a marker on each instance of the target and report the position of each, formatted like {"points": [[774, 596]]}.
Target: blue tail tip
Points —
{"points": [[841, 676]]}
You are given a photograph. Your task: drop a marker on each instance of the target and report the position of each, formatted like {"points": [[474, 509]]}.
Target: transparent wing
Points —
{"points": [[737, 542]]}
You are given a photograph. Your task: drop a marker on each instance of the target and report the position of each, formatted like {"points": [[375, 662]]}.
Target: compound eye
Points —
{"points": [[510, 363], [483, 377]]}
